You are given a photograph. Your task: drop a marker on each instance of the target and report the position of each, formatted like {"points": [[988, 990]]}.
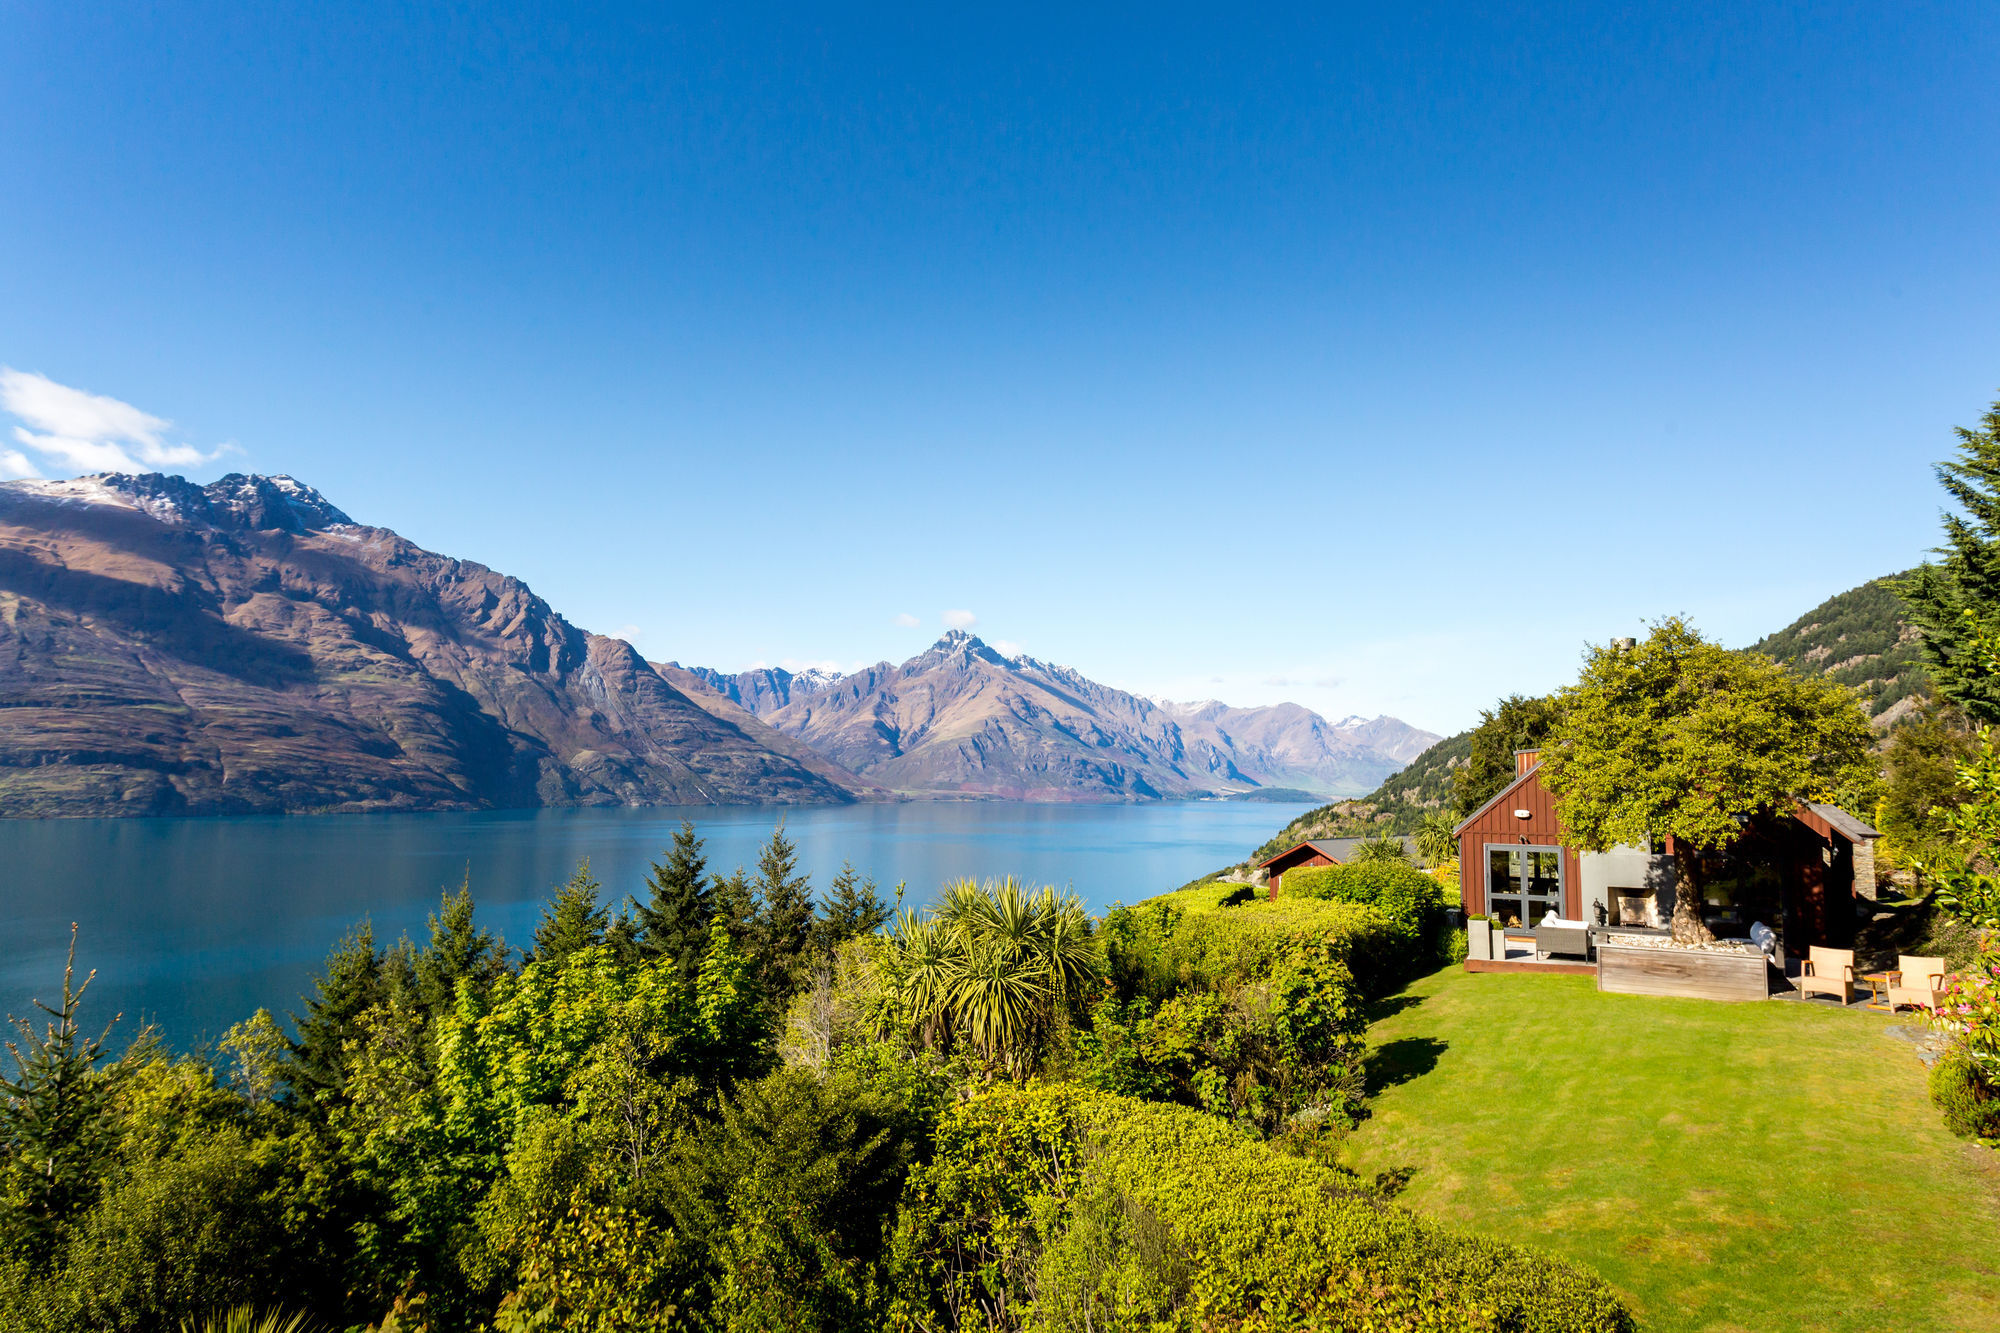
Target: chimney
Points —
{"points": [[1525, 760]]}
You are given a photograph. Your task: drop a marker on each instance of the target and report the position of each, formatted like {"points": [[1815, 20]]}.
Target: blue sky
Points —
{"points": [[1372, 359]]}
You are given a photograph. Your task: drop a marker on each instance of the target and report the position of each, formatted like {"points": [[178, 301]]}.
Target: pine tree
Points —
{"points": [[573, 920], [782, 937], [55, 1115], [734, 903], [352, 984], [1956, 603], [853, 908], [459, 950], [673, 920]]}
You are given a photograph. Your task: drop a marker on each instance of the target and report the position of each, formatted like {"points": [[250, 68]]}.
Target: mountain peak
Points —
{"points": [[239, 500]]}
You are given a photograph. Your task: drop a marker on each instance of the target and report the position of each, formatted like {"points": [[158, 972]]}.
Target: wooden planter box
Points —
{"points": [[1633, 970]]}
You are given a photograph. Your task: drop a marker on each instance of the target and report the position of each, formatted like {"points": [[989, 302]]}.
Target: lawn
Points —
{"points": [[1724, 1166]]}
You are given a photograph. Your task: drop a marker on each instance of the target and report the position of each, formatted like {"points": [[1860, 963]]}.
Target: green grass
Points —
{"points": [[1724, 1166]]}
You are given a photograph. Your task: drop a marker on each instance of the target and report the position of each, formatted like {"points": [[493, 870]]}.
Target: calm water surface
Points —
{"points": [[195, 923]]}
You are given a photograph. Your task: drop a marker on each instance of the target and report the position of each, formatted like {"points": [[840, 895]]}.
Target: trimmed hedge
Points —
{"points": [[1166, 944], [1143, 1215]]}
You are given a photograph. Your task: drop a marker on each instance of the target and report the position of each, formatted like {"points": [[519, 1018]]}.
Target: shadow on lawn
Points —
{"points": [[1401, 1060], [1390, 1005]]}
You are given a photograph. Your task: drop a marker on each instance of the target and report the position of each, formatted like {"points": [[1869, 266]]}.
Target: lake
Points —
{"points": [[195, 923]]}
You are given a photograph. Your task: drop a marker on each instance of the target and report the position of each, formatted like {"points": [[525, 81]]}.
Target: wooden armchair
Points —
{"points": [[1919, 983], [1828, 971]]}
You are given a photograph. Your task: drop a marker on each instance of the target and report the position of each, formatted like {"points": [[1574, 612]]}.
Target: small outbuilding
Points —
{"points": [[1314, 852]]}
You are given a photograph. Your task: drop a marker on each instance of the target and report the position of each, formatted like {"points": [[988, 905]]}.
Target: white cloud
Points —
{"points": [[1008, 648], [907, 621], [630, 633], [796, 665], [960, 619], [14, 464], [87, 432]]}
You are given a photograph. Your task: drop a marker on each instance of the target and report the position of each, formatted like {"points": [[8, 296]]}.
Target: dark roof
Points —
{"points": [[1850, 827], [1334, 849]]}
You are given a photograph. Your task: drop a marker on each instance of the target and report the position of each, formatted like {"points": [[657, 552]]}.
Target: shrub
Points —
{"points": [[1166, 944], [1064, 1207], [1959, 1088], [1411, 899], [1456, 948]]}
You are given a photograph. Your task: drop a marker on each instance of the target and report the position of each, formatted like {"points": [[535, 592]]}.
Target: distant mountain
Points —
{"points": [[964, 720], [168, 648], [1862, 638]]}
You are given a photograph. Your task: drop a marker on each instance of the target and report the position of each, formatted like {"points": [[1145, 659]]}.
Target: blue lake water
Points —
{"points": [[193, 924]]}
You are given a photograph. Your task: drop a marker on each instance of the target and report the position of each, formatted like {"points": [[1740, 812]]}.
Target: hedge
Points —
{"points": [[1205, 1228], [1188, 939]]}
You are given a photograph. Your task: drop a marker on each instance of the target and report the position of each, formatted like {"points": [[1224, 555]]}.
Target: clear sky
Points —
{"points": [[1374, 358]]}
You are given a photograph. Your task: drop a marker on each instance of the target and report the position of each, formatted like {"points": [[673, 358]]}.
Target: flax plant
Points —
{"points": [[996, 967]]}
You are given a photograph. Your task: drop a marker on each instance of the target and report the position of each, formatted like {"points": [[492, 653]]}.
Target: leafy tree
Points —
{"points": [[1515, 723], [673, 919], [1680, 738], [55, 1115], [1920, 774], [1956, 603], [573, 920], [781, 938], [256, 1051], [852, 908]]}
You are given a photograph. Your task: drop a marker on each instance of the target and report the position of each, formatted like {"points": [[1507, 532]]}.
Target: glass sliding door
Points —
{"points": [[1523, 884]]}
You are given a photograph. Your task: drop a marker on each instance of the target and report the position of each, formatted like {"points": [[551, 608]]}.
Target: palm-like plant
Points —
{"points": [[245, 1319], [994, 966], [1384, 848], [1435, 840]]}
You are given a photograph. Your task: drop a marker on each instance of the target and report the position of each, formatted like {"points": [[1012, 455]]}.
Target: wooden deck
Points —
{"points": [[1551, 968]]}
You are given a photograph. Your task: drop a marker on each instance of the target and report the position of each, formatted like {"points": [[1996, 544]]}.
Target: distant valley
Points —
{"points": [[246, 647]]}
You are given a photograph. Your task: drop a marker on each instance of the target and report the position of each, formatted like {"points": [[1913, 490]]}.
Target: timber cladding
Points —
{"points": [[1689, 972], [1495, 825]]}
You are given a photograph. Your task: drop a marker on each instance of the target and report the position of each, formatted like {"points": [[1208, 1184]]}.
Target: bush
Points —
{"points": [[1960, 1089], [1411, 899], [1090, 1209], [1164, 945]]}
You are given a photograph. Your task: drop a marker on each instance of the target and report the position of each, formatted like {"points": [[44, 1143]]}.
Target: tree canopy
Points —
{"points": [[1677, 737], [1956, 602]]}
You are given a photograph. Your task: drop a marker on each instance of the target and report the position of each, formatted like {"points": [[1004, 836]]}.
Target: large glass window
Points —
{"points": [[1523, 884]]}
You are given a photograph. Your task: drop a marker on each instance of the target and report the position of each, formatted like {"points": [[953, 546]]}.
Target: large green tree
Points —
{"points": [[1676, 737], [1956, 602], [1515, 723]]}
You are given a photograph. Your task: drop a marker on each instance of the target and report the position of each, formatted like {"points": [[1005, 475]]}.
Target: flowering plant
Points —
{"points": [[1971, 1007]]}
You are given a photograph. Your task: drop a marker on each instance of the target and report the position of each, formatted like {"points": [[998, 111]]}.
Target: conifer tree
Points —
{"points": [[459, 950], [573, 920], [55, 1115], [1956, 602], [351, 985], [734, 903], [852, 908], [673, 919], [782, 937]]}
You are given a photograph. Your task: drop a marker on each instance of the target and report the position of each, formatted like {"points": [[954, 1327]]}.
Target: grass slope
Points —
{"points": [[1725, 1167], [1861, 638]]}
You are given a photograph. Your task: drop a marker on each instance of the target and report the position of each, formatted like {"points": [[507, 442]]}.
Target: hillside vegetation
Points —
{"points": [[1862, 638]]}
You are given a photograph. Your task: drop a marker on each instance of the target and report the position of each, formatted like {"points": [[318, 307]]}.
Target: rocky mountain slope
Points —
{"points": [[964, 720], [245, 646], [1861, 638]]}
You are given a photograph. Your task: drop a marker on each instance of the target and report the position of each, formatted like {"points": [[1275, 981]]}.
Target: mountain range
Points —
{"points": [[245, 646], [168, 648], [963, 719]]}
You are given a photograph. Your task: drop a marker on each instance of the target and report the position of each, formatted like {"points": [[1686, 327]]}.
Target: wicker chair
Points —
{"points": [[1829, 972], [1919, 983]]}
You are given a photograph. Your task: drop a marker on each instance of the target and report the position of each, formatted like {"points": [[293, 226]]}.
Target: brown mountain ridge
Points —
{"points": [[168, 648]]}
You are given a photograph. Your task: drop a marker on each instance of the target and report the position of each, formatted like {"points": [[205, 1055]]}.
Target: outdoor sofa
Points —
{"points": [[1555, 935]]}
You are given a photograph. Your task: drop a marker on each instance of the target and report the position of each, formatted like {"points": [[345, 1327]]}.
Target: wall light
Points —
{"points": [[1524, 814]]}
